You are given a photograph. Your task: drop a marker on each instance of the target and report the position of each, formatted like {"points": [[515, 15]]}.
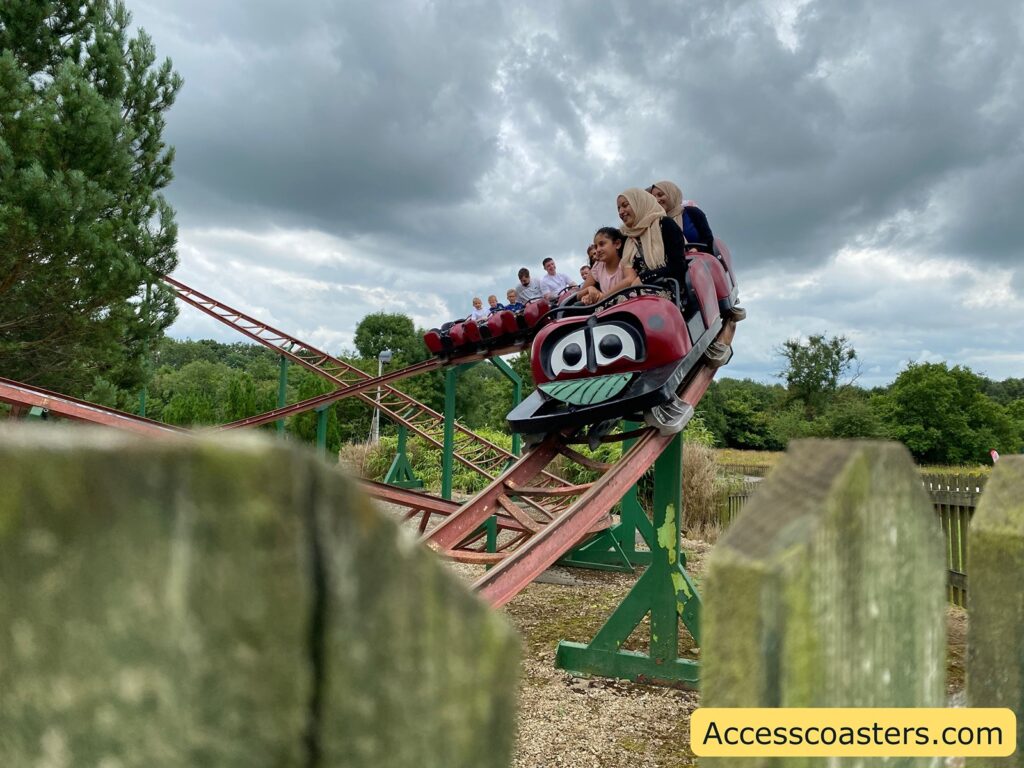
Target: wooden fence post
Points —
{"points": [[995, 630], [232, 603], [829, 590]]}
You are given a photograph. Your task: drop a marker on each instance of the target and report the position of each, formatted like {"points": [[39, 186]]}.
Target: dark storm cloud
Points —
{"points": [[343, 117], [875, 109], [354, 117], [451, 142]]}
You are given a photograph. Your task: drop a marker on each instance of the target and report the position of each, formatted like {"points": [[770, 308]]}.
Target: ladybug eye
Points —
{"points": [[613, 342], [569, 355]]}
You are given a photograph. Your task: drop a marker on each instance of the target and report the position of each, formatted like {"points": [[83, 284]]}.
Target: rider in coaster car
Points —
{"points": [[688, 216], [655, 246]]}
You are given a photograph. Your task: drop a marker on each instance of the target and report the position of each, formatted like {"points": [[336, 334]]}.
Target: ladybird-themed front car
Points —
{"points": [[626, 360]]}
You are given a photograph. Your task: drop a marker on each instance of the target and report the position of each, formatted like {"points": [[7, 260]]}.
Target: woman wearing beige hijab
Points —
{"points": [[655, 246], [689, 217]]}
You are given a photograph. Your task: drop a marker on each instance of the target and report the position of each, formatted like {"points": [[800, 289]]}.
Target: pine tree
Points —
{"points": [[84, 230]]}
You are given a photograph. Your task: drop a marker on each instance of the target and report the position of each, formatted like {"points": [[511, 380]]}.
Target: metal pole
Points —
{"points": [[517, 395], [384, 356], [321, 430], [282, 391], [448, 451], [375, 432]]}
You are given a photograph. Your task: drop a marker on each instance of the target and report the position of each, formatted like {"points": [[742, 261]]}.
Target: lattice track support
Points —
{"points": [[451, 378], [615, 549], [401, 474], [664, 592]]}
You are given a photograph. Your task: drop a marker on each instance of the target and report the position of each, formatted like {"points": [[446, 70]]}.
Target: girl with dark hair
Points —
{"points": [[610, 272]]}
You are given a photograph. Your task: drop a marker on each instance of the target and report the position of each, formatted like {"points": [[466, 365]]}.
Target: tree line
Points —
{"points": [[944, 414]]}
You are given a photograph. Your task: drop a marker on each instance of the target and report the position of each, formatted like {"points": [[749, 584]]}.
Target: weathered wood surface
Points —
{"points": [[995, 633], [231, 603], [828, 590]]}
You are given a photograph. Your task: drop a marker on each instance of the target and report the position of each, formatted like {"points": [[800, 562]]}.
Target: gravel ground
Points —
{"points": [[591, 722]]}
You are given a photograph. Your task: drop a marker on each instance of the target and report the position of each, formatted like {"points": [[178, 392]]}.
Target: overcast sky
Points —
{"points": [[863, 160]]}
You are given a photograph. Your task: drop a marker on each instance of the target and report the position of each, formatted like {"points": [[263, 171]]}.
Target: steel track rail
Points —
{"points": [[515, 571], [331, 397], [317, 361], [474, 512], [417, 502], [19, 394]]}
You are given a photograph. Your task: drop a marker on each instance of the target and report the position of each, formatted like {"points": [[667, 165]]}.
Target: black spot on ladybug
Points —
{"points": [[655, 322]]}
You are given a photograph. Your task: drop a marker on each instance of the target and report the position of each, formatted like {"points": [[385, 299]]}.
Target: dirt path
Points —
{"points": [[602, 723]]}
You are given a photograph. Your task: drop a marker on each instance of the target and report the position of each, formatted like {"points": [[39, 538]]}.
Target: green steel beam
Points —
{"points": [[615, 550], [400, 473], [517, 396], [451, 376], [321, 429], [282, 391], [664, 592]]}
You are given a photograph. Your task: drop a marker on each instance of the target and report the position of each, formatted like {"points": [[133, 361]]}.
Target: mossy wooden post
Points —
{"points": [[828, 591], [231, 603], [995, 632]]}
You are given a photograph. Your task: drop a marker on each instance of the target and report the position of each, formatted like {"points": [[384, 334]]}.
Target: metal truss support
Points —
{"points": [[400, 474], [615, 549], [664, 593]]}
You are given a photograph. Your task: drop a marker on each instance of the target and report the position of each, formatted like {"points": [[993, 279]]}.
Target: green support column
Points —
{"points": [[664, 591], [517, 396], [321, 429], [400, 474], [282, 391], [451, 376]]}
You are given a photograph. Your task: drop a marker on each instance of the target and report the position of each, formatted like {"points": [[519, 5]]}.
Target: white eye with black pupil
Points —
{"points": [[569, 354], [572, 354], [610, 345], [613, 342]]}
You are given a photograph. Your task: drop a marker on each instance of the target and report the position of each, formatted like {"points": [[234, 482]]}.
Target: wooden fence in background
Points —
{"points": [[954, 497]]}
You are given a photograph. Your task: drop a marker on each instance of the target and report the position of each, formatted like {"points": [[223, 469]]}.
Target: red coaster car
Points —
{"points": [[627, 356]]}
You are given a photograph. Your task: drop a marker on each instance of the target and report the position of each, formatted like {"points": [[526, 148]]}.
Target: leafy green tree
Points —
{"points": [[785, 424], [521, 365], [303, 425], [943, 416], [711, 413], [483, 398], [1005, 392], [383, 330], [191, 395], [853, 413], [814, 367], [83, 226], [748, 407]]}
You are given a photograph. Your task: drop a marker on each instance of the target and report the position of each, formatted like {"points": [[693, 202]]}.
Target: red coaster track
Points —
{"points": [[539, 516]]}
